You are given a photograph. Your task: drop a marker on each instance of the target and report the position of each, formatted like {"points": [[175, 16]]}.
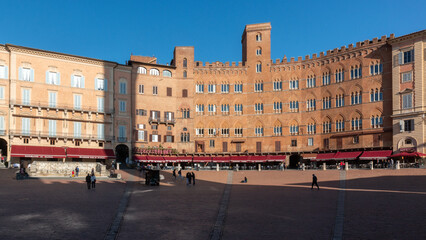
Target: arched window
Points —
{"points": [[278, 129], [185, 75], [258, 37], [258, 67], [167, 73], [141, 70], [185, 63], [154, 72], [258, 51]]}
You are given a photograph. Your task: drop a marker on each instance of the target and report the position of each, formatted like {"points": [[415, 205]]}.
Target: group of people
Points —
{"points": [[91, 180], [190, 177]]}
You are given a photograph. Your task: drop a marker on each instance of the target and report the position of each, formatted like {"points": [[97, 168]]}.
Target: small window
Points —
{"points": [[185, 63], [294, 143], [141, 89], [310, 141], [141, 70], [185, 75], [211, 144], [154, 127], [355, 139], [154, 90], [258, 37], [259, 67], [154, 72], [169, 92], [167, 73], [123, 87], [52, 142], [258, 51], [26, 140], [169, 128], [408, 142], [184, 93], [407, 77], [77, 143]]}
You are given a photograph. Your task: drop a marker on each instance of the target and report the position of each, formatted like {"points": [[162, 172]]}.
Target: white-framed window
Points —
{"points": [[294, 106], [77, 129], [26, 74], [258, 37], [154, 90], [225, 132], [101, 104], [211, 131], [407, 101], [122, 131], [340, 75], [141, 70], [326, 102], [199, 88], [376, 68], [376, 95], [26, 126], [211, 109], [312, 128], [340, 100], [278, 107], [356, 72], [258, 108], [154, 138], [199, 132], [52, 128], [326, 127], [101, 84], [225, 109], [154, 72], [77, 101], [211, 88], [238, 109], [294, 129], [238, 132], [2, 125], [293, 84], [311, 82], [258, 51], [77, 81], [167, 73], [376, 121], [141, 89], [278, 85], [224, 87], [3, 72], [101, 131], [310, 141], [2, 97], [407, 125], [199, 109], [258, 131], [122, 106], [356, 123], [53, 78], [258, 87], [407, 77], [258, 67], [185, 137], [311, 105], [238, 87], [356, 98], [123, 87], [26, 96], [406, 56], [340, 125], [325, 79], [278, 130], [141, 135], [53, 96]]}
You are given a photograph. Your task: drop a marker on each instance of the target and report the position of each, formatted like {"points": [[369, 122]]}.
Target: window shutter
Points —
{"points": [[32, 75], [173, 138], [105, 84], [400, 58], [20, 74], [72, 81], [82, 81], [146, 136], [58, 78], [159, 138], [96, 84], [150, 137], [47, 77], [412, 55]]}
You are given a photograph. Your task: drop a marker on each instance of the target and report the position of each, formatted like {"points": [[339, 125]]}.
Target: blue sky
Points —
{"points": [[112, 30]]}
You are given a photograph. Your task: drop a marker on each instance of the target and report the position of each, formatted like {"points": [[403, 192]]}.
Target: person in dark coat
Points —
{"points": [[193, 178], [88, 181], [314, 181], [180, 174], [174, 173], [93, 180], [188, 178]]}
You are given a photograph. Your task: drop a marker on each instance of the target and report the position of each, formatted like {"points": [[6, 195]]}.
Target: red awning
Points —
{"points": [[37, 152], [155, 159], [184, 159], [408, 154], [341, 156], [310, 156], [202, 159], [275, 158], [221, 159], [325, 156], [257, 159], [238, 159], [139, 158], [375, 155], [90, 153], [170, 159]]}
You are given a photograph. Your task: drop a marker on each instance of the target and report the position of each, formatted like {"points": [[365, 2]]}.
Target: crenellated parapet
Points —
{"points": [[335, 55], [233, 68]]}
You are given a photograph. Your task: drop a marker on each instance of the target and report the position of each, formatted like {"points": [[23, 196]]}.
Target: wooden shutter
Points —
{"points": [[258, 147], [238, 147], [339, 142], [184, 93], [225, 146], [150, 137], [169, 92], [145, 137], [376, 140], [173, 138], [277, 146], [159, 138]]}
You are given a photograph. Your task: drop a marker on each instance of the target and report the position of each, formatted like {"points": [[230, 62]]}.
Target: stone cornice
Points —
{"points": [[421, 33]]}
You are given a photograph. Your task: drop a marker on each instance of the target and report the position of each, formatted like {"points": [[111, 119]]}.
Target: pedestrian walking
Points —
{"points": [[188, 178], [174, 173], [88, 181], [193, 178], [93, 180], [77, 170], [180, 174], [314, 181], [93, 171]]}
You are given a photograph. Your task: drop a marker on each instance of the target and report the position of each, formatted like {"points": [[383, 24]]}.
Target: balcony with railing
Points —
{"points": [[159, 120], [56, 106], [42, 134]]}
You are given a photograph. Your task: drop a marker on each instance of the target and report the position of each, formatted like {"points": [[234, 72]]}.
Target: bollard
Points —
{"points": [[371, 165], [323, 166], [217, 167], [397, 165], [258, 167], [303, 167], [346, 166], [237, 167], [118, 166]]}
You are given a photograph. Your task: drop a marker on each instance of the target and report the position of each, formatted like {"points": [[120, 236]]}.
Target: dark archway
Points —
{"points": [[3, 147], [121, 153], [295, 160]]}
